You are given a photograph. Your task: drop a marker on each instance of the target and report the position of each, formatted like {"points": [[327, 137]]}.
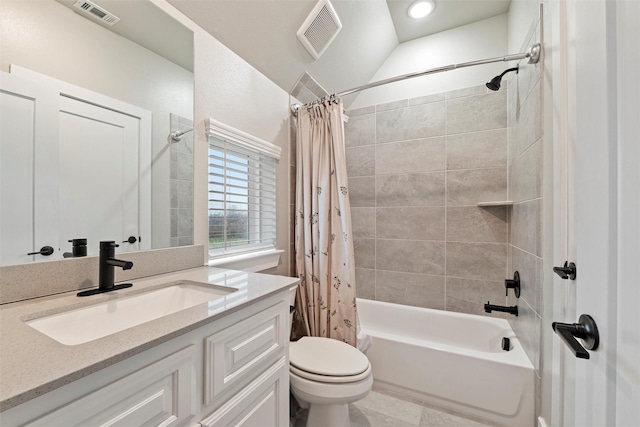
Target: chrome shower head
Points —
{"points": [[494, 83]]}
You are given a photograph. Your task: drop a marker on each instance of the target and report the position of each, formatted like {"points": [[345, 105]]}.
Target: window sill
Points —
{"points": [[253, 262]]}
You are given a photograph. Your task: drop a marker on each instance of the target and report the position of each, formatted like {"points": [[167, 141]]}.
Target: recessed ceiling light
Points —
{"points": [[421, 8]]}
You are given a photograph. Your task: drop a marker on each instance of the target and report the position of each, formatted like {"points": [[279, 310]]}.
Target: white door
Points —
{"points": [[75, 164], [603, 216], [27, 116], [98, 175]]}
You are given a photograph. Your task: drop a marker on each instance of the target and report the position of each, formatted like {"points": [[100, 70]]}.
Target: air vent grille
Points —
{"points": [[95, 11], [320, 28]]}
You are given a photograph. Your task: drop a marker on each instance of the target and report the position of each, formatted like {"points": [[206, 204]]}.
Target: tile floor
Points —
{"points": [[386, 409]]}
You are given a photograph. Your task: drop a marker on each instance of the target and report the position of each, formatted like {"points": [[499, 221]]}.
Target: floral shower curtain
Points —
{"points": [[323, 235]]}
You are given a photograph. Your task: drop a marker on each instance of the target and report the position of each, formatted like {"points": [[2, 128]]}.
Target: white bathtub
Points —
{"points": [[450, 360]]}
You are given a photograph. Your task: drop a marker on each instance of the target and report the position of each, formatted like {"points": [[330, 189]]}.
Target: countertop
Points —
{"points": [[32, 364]]}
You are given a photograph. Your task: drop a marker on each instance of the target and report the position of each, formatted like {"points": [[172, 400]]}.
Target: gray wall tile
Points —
{"points": [[468, 187], [483, 149], [392, 105], [419, 290], [360, 130], [484, 261], [420, 121], [364, 251], [475, 113], [477, 292], [362, 191], [467, 91], [477, 224], [525, 226], [526, 265], [525, 127], [436, 97], [361, 111], [411, 256], [420, 155], [361, 160], [363, 223], [410, 190], [525, 174], [527, 327], [412, 223], [366, 283]]}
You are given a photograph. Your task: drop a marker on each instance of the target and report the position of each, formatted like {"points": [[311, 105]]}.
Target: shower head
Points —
{"points": [[494, 83]]}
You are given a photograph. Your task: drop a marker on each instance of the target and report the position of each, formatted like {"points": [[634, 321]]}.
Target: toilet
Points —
{"points": [[326, 375]]}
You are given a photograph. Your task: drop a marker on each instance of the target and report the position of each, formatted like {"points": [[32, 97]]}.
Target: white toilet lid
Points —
{"points": [[326, 356]]}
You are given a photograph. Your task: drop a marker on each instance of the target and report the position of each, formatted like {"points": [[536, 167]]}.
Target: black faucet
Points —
{"points": [[107, 273], [511, 310]]}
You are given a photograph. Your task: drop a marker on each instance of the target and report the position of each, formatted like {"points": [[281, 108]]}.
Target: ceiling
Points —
{"points": [[447, 14], [147, 25], [263, 33]]}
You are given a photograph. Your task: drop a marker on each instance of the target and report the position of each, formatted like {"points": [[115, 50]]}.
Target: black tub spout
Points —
{"points": [[488, 307]]}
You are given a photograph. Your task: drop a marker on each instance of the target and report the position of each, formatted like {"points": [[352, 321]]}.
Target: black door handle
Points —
{"points": [[585, 329], [131, 239], [45, 250], [569, 271]]}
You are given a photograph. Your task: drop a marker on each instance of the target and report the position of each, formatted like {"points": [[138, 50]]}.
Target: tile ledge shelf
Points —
{"points": [[500, 203]]}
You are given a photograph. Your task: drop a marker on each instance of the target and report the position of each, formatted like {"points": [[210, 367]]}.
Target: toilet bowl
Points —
{"points": [[326, 375]]}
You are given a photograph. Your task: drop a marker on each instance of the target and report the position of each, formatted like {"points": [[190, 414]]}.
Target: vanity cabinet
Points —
{"points": [[232, 371]]}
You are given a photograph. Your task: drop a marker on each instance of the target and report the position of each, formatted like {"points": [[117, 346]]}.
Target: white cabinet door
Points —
{"points": [[161, 394], [263, 403]]}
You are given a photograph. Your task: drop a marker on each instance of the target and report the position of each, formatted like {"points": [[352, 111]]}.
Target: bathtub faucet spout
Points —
{"points": [[488, 307]]}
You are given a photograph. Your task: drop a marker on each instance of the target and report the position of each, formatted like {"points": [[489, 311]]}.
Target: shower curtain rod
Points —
{"points": [[533, 54]]}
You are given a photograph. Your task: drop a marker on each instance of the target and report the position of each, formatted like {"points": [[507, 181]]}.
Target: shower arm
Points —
{"points": [[532, 54]]}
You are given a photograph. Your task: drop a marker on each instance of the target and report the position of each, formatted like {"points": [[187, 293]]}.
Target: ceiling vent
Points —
{"points": [[320, 28], [96, 12]]}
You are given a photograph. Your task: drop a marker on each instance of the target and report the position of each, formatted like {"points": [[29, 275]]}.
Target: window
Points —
{"points": [[242, 192]]}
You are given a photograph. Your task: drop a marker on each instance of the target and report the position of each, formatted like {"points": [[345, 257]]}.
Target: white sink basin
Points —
{"points": [[96, 321]]}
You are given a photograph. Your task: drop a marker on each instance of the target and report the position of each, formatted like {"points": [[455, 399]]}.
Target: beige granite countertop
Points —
{"points": [[32, 364]]}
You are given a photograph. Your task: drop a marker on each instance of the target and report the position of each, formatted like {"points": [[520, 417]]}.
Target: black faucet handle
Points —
{"points": [[108, 244], [513, 284]]}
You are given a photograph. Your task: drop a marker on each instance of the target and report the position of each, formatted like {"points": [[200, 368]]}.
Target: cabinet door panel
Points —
{"points": [[262, 403], [159, 394], [236, 355]]}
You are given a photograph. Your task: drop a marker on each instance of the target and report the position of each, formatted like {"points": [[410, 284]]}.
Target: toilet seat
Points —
{"points": [[327, 360], [329, 378]]}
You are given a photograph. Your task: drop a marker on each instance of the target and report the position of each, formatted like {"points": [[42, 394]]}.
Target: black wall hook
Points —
{"points": [[569, 271]]}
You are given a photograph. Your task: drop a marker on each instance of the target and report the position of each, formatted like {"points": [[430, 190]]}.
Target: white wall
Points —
{"points": [[230, 90], [46, 37], [479, 40]]}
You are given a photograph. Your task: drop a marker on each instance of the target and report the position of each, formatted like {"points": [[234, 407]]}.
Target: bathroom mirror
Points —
{"points": [[129, 53]]}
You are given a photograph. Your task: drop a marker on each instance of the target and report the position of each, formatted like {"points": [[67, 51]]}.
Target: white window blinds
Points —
{"points": [[242, 195]]}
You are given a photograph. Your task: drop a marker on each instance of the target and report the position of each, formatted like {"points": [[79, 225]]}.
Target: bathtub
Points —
{"points": [[451, 360]]}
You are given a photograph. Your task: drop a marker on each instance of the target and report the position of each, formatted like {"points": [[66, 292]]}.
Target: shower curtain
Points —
{"points": [[323, 235]]}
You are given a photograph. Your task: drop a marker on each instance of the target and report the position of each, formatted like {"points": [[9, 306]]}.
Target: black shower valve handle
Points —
{"points": [[513, 284]]}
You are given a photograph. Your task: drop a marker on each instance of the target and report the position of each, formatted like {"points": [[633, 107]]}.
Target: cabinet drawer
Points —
{"points": [[264, 402], [161, 394], [236, 355]]}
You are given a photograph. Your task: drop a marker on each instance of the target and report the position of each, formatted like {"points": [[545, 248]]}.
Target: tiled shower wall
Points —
{"points": [[181, 183], [525, 189], [417, 169]]}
